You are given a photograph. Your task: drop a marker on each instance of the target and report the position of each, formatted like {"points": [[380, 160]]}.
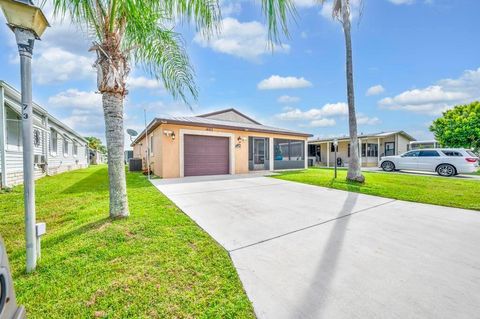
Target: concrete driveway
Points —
{"points": [[310, 252]]}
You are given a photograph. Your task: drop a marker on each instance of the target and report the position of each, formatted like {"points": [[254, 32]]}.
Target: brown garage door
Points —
{"points": [[206, 155]]}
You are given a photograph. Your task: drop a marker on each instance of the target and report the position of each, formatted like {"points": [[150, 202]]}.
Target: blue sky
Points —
{"points": [[412, 59]]}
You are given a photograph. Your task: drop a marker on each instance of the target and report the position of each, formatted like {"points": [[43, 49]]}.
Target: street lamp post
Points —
{"points": [[28, 23]]}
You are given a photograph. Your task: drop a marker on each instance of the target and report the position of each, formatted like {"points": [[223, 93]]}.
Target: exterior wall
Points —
{"points": [[53, 162], [402, 144], [167, 161]]}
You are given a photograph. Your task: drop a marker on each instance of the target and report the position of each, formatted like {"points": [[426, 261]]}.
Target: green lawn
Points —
{"points": [[157, 264], [454, 192]]}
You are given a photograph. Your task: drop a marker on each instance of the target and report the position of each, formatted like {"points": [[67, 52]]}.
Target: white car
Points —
{"points": [[444, 161]]}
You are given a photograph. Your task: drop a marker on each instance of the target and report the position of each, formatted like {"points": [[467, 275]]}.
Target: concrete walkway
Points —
{"points": [[310, 252]]}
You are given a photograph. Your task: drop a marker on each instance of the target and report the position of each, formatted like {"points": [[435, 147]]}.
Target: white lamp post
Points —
{"points": [[28, 23]]}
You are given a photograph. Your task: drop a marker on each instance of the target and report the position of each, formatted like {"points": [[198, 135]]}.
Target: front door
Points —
{"points": [[258, 153], [389, 148]]}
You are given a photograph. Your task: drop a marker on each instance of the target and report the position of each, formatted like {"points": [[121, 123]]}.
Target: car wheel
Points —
{"points": [[446, 170], [388, 166]]}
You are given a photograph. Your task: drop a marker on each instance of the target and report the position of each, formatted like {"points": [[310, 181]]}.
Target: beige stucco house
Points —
{"points": [[321, 151], [223, 142]]}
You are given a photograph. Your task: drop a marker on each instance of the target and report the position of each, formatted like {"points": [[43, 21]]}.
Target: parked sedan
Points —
{"points": [[446, 162]]}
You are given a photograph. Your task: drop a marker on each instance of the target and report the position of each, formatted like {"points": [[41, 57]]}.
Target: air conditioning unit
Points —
{"points": [[8, 304], [39, 159]]}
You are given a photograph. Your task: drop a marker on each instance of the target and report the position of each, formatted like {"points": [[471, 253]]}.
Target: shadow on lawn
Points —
{"points": [[315, 298], [98, 182]]}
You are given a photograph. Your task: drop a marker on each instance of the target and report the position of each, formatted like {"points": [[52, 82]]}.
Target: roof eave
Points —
{"points": [[158, 121]]}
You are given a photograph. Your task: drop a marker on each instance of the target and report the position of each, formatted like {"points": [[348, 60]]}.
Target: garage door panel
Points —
{"points": [[206, 155]]}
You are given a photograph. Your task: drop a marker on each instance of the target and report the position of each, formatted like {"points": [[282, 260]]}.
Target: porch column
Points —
{"points": [[360, 151], [272, 155], [3, 128], [306, 154], [378, 150], [328, 154]]}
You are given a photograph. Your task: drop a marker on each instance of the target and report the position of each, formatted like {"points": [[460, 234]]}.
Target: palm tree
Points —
{"points": [[141, 32], [341, 12], [138, 32]]}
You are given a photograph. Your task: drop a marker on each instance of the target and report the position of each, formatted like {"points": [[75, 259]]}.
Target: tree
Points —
{"points": [[459, 127], [341, 12], [139, 32], [95, 143]]}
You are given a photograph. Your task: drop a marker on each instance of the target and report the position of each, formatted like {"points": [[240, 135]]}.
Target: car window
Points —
{"points": [[429, 153], [452, 153], [411, 154], [472, 153]]}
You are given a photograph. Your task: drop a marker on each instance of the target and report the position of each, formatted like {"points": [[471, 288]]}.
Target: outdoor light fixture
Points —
{"points": [[169, 134], [28, 23], [241, 139], [24, 15]]}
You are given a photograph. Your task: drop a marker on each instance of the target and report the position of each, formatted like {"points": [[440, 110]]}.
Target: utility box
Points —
{"points": [[135, 165], [8, 303]]}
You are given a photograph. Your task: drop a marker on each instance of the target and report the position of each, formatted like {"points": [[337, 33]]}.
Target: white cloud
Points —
{"points": [[328, 110], [375, 90], [55, 65], [229, 8], [439, 97], [276, 82], [399, 2], [75, 99], [246, 40], [143, 83], [366, 120], [322, 123], [305, 3], [288, 99]]}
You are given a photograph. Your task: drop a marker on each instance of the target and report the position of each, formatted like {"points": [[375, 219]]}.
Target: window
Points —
{"points": [[288, 150], [471, 153], [411, 154], [14, 130], [53, 142], [452, 153], [370, 150], [288, 154], [65, 146], [37, 137], [429, 153], [151, 144], [75, 149], [332, 148]]}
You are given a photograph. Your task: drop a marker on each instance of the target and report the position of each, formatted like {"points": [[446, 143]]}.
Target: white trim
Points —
{"points": [[271, 154], [305, 154], [231, 137], [3, 140]]}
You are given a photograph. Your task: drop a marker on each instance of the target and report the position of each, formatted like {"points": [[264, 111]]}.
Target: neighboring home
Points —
{"points": [[373, 146], [96, 157], [223, 142], [57, 148]]}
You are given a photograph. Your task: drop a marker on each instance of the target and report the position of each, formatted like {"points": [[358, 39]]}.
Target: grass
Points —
{"points": [[453, 192], [156, 264]]}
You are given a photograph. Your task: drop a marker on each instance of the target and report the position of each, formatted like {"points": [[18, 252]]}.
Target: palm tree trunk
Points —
{"points": [[354, 172], [113, 113]]}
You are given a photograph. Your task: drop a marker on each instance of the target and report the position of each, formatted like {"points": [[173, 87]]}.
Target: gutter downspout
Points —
{"points": [[3, 144]]}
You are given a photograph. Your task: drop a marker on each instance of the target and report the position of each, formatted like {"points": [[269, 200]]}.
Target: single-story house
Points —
{"points": [[223, 142], [321, 151], [57, 148]]}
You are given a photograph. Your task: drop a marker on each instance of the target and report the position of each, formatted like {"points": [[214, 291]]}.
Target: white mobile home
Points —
{"points": [[57, 148], [372, 147]]}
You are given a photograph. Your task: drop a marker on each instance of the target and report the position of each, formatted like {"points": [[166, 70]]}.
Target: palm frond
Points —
{"points": [[160, 51], [276, 13], [205, 14]]}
